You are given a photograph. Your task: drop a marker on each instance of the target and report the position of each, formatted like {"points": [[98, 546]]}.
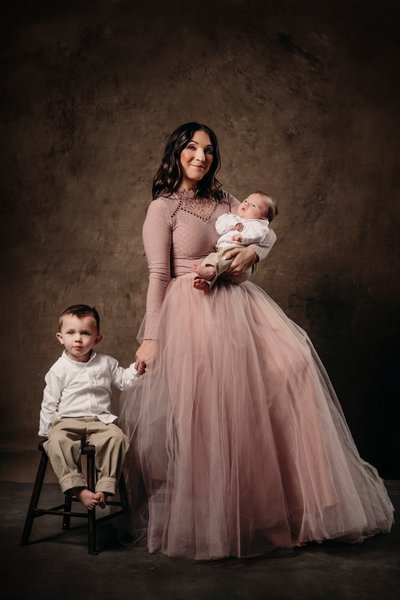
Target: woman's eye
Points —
{"points": [[191, 147], [209, 151]]}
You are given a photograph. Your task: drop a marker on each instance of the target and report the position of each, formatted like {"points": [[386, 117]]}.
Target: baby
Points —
{"points": [[250, 225], [76, 407]]}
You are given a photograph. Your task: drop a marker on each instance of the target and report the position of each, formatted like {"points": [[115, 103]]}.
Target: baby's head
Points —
{"points": [[79, 331], [258, 205]]}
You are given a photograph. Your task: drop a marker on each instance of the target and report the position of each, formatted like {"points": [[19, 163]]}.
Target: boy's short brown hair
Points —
{"points": [[80, 310]]}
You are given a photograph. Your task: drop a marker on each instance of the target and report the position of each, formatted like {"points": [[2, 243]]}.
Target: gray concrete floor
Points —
{"points": [[56, 565]]}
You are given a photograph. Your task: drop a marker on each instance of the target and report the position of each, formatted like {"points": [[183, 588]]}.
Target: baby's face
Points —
{"points": [[253, 207]]}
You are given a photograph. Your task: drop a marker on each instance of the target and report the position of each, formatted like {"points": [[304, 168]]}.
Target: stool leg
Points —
{"points": [[67, 508], [123, 494], [91, 477], [35, 498]]}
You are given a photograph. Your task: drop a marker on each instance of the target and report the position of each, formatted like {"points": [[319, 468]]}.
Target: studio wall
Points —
{"points": [[303, 97]]}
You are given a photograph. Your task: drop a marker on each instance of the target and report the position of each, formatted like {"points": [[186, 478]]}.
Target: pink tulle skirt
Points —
{"points": [[238, 437]]}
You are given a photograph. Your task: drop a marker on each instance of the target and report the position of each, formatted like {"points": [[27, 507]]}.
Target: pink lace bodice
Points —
{"points": [[179, 231]]}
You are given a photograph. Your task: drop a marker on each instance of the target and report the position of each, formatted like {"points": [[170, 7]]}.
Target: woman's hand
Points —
{"points": [[146, 352], [243, 259]]}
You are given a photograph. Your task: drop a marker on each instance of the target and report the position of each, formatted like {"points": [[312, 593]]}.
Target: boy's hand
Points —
{"points": [[146, 353], [140, 367]]}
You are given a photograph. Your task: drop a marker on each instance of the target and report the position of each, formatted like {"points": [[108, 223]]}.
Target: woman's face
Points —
{"points": [[196, 160]]}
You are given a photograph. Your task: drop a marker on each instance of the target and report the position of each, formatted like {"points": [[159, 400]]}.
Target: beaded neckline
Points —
{"points": [[188, 195], [190, 202]]}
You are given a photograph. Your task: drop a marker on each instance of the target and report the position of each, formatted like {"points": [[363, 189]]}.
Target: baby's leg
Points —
{"points": [[204, 272], [204, 276]]}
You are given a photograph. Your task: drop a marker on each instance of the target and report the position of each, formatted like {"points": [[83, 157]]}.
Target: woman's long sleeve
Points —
{"points": [[157, 239]]}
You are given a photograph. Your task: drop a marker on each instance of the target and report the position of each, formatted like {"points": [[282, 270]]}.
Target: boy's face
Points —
{"points": [[253, 207], [79, 336]]}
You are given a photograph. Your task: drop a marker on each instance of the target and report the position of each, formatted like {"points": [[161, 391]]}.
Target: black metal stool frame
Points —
{"points": [[64, 510]]}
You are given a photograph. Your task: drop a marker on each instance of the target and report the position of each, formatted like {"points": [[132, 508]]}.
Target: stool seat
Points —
{"points": [[64, 510]]}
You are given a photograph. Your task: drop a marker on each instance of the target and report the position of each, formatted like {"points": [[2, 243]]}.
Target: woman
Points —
{"points": [[242, 444]]}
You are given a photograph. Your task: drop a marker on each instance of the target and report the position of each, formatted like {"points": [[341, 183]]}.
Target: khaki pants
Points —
{"points": [[221, 264], [64, 451]]}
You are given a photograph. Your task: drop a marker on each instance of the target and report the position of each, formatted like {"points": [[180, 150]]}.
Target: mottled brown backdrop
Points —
{"points": [[304, 99]]}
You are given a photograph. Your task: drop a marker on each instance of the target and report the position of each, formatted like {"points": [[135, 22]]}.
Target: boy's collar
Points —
{"points": [[77, 362]]}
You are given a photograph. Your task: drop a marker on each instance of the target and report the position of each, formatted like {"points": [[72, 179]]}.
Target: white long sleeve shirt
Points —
{"points": [[255, 231], [76, 389]]}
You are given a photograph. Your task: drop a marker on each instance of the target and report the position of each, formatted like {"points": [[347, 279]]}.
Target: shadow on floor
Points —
{"points": [[56, 564]]}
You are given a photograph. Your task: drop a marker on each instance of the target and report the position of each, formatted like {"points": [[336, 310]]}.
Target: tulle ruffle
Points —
{"points": [[238, 437]]}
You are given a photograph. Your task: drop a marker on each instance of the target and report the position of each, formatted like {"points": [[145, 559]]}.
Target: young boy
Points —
{"points": [[250, 225], [76, 406]]}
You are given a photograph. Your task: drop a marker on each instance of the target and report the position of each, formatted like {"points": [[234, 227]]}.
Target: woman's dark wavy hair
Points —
{"points": [[169, 176]]}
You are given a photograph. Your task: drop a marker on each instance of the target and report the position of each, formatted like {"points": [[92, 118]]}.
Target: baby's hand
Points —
{"points": [[237, 238], [239, 227]]}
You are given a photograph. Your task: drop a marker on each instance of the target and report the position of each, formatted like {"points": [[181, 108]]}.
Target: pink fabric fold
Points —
{"points": [[238, 435]]}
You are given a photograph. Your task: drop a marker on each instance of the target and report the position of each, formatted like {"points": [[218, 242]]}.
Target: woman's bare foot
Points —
{"points": [[87, 498], [206, 273], [297, 544], [202, 285], [101, 497]]}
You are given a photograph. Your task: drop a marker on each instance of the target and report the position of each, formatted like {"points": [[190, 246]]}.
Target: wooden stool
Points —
{"points": [[64, 510]]}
